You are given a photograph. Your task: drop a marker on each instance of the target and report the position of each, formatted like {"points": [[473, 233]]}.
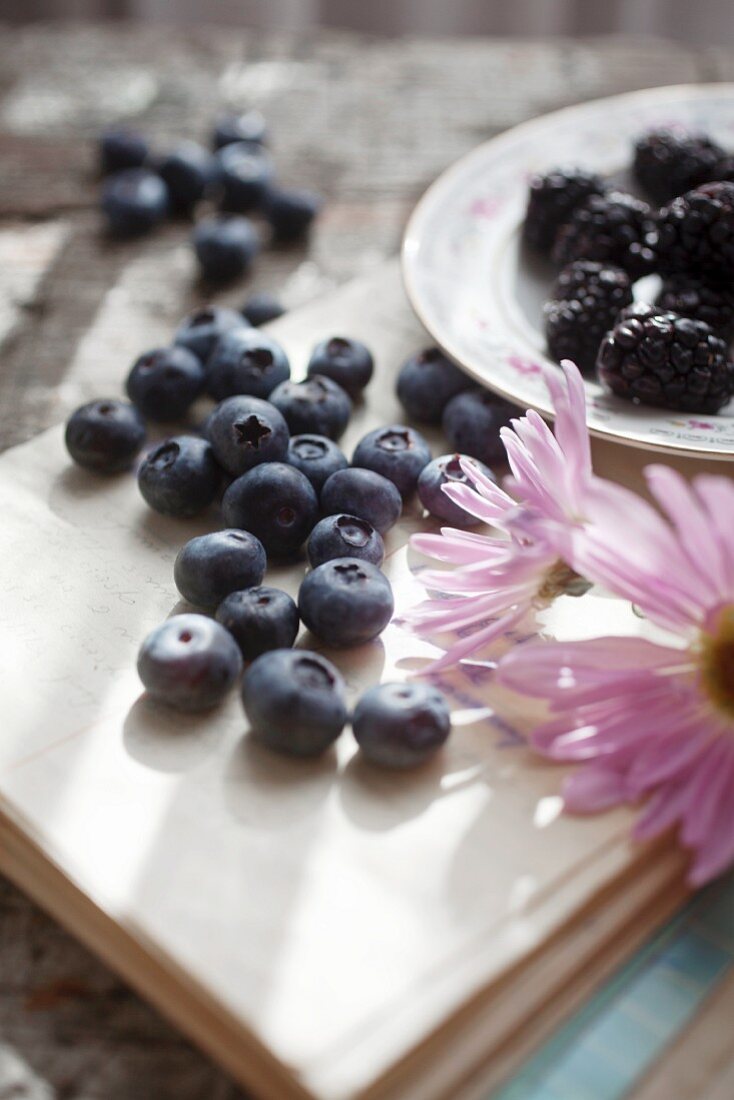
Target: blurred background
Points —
{"points": [[706, 21]]}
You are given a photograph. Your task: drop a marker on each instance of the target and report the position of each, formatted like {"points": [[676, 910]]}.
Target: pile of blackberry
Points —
{"points": [[672, 353], [587, 296], [660, 358]]}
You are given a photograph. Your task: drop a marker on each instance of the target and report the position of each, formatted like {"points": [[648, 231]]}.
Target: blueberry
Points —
{"points": [[447, 470], [165, 382], [261, 308], [200, 330], [427, 382], [180, 476], [277, 503], [259, 619], [189, 172], [347, 362], [105, 436], [472, 422], [345, 602], [231, 128], [291, 212], [345, 536], [396, 452], [365, 494], [225, 247], [246, 361], [189, 662], [401, 725], [133, 202], [120, 148], [316, 456], [294, 701], [246, 172], [211, 566], [245, 431], [317, 406]]}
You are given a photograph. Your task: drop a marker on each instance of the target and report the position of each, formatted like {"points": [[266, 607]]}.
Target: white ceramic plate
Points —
{"points": [[481, 298]]}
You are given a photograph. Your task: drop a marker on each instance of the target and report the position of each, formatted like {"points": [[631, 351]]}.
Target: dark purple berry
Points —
{"points": [[245, 432], [211, 566], [262, 308], [277, 503], [189, 662], [180, 476], [317, 457], [317, 406], [447, 470], [133, 202], [344, 536], [259, 619], [427, 382], [472, 421], [347, 362], [201, 330], [295, 702], [365, 494], [164, 383], [225, 247], [397, 452], [105, 435], [552, 199], [346, 602], [401, 725], [245, 361]]}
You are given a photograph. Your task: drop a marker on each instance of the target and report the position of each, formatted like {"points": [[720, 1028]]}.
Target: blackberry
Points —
{"points": [[710, 302], [696, 232], [660, 358], [587, 296], [612, 229], [552, 198], [667, 163]]}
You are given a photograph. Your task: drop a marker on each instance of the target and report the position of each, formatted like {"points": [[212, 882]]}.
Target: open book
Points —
{"points": [[324, 929]]}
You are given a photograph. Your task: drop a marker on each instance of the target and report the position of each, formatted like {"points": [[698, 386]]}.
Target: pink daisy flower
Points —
{"points": [[648, 720], [498, 579]]}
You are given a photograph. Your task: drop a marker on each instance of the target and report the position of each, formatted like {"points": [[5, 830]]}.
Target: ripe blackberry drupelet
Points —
{"points": [[662, 359], [667, 163], [612, 229], [586, 299], [710, 302], [552, 198], [696, 232]]}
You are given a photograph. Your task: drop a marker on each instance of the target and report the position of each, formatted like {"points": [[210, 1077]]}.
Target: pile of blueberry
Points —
{"points": [[673, 352], [234, 179], [267, 456]]}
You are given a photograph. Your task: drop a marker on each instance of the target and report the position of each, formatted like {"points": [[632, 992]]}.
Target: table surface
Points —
{"points": [[369, 124]]}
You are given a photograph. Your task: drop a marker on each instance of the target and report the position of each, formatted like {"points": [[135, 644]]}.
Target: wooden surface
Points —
{"points": [[369, 124]]}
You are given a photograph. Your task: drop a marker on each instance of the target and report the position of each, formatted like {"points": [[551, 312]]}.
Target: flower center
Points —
{"points": [[717, 662], [561, 580]]}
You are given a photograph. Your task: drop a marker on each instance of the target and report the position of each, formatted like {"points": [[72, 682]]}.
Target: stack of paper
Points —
{"points": [[323, 929]]}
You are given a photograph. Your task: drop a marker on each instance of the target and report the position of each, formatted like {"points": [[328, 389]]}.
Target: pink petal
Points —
{"points": [[627, 547], [434, 616], [476, 641], [691, 523], [669, 755], [717, 495], [664, 808], [459, 552], [718, 852], [550, 669], [592, 789], [570, 423], [709, 781]]}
